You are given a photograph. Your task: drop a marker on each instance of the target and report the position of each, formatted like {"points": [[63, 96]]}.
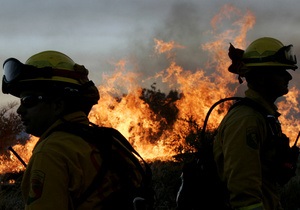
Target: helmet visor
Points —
{"points": [[12, 70], [284, 55], [15, 71]]}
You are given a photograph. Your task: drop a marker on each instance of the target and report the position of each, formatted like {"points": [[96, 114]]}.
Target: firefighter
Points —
{"points": [[253, 156], [53, 89]]}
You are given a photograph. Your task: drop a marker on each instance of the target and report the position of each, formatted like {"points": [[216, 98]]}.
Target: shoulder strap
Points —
{"points": [[113, 133], [94, 184], [202, 134], [274, 127], [238, 101], [91, 134], [86, 133], [251, 103]]}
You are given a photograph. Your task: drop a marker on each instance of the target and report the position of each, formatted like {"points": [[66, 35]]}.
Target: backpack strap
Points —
{"points": [[146, 190], [202, 134], [85, 132], [94, 184], [91, 134], [251, 103], [286, 157], [116, 134], [274, 127]]}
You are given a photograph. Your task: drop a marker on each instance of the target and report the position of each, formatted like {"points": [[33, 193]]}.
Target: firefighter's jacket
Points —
{"points": [[244, 153], [61, 168]]}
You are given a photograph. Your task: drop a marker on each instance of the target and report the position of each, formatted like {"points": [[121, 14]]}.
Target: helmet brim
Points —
{"points": [[272, 64]]}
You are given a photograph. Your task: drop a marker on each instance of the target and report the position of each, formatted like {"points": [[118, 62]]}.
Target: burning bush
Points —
{"points": [[11, 129], [164, 113]]}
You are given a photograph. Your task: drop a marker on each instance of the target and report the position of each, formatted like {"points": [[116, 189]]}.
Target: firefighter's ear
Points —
{"points": [[59, 106]]}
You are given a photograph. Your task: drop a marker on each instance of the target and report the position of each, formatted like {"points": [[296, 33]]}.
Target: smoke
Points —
{"points": [[192, 31], [183, 25], [100, 33]]}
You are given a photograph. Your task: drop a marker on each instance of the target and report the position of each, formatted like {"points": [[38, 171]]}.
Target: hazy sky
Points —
{"points": [[97, 33]]}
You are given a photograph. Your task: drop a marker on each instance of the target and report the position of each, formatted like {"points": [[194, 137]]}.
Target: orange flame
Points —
{"points": [[11, 163], [121, 105]]}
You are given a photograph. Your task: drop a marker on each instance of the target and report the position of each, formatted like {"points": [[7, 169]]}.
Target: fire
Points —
{"points": [[166, 47], [121, 105], [289, 110], [11, 163]]}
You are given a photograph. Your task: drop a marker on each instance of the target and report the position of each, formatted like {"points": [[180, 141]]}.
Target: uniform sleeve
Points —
{"points": [[48, 178], [242, 165]]}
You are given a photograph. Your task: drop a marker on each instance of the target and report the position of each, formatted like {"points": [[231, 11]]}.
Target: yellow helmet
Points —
{"points": [[45, 69], [268, 51], [54, 59], [63, 67], [263, 52]]}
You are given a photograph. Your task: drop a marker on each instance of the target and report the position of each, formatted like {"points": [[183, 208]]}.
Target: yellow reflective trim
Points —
{"points": [[288, 66], [53, 79], [257, 206]]}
